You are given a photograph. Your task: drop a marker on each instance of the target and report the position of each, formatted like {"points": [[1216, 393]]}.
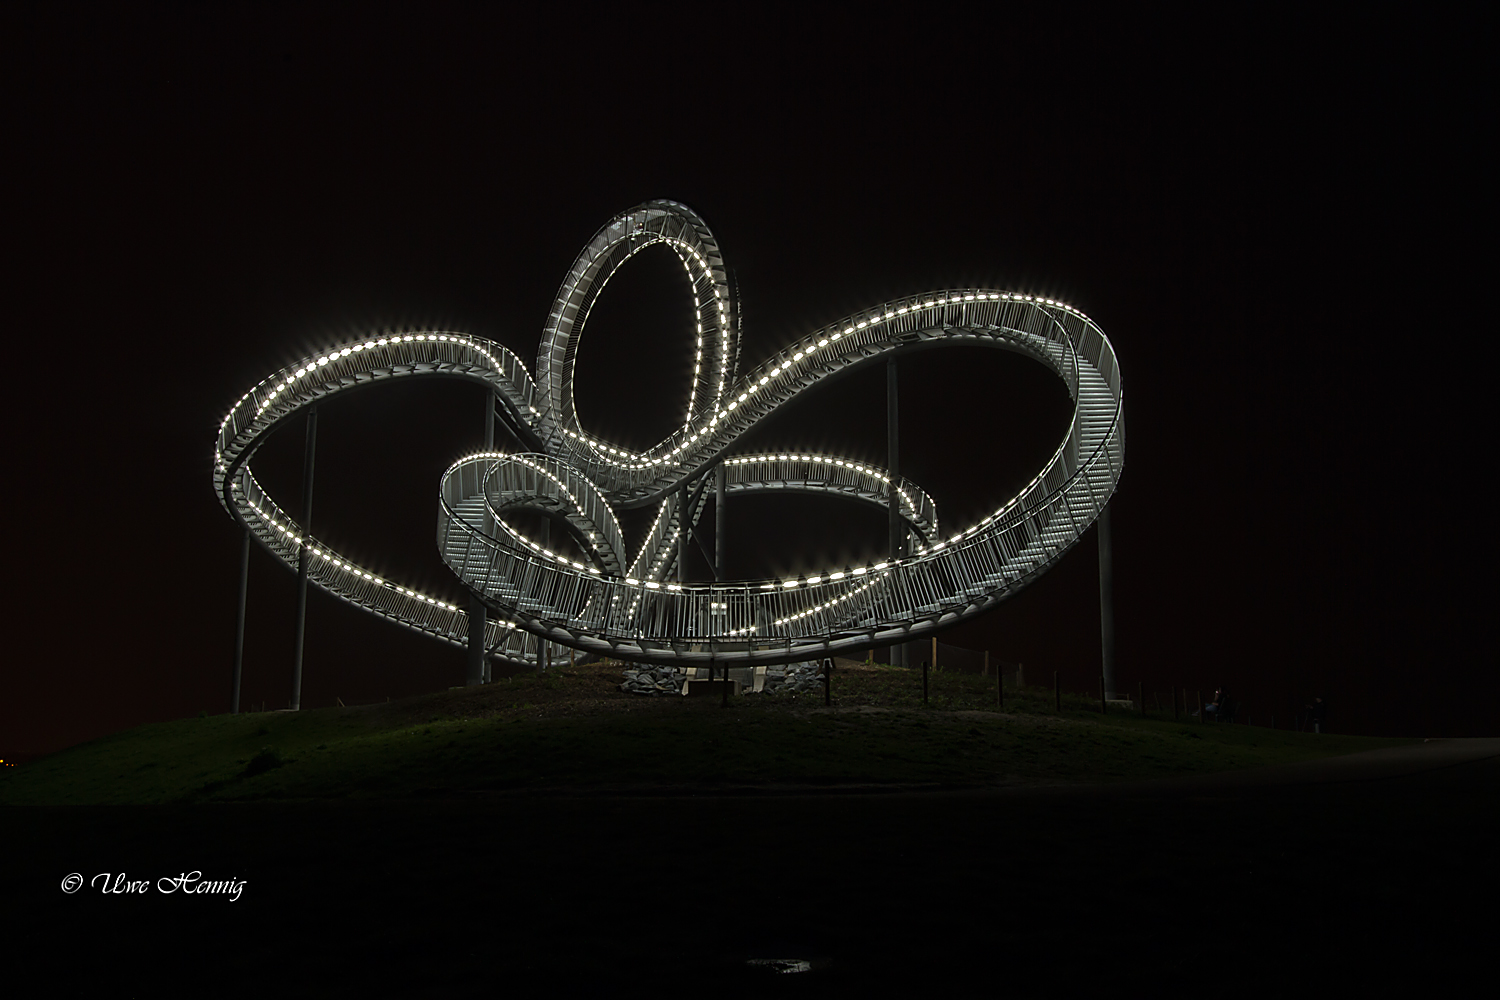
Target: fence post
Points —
{"points": [[935, 665]]}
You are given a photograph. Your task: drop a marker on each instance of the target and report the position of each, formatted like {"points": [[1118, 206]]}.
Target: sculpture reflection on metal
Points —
{"points": [[627, 605]]}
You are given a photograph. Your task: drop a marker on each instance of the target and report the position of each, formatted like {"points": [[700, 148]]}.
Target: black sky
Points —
{"points": [[1274, 222]]}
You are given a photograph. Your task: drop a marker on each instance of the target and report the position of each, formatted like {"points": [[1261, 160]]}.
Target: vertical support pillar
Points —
{"points": [[307, 494], [1107, 601], [489, 420], [544, 646], [893, 466], [719, 540], [684, 527], [474, 672], [489, 443], [478, 613], [239, 624]]}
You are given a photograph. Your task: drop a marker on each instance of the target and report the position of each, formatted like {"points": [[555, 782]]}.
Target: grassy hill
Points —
{"points": [[573, 728]]}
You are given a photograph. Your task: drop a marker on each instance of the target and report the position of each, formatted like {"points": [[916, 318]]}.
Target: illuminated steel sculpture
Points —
{"points": [[629, 606]]}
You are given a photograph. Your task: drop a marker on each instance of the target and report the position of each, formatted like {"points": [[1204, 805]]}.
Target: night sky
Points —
{"points": [[1274, 224]]}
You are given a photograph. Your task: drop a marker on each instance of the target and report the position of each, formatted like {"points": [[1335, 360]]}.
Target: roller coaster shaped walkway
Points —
{"points": [[629, 607]]}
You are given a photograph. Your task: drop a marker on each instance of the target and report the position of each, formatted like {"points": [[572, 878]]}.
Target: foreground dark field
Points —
{"points": [[1311, 876]]}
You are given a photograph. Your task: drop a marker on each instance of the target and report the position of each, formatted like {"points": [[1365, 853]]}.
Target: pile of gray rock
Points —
{"points": [[793, 678], [654, 681], [790, 678]]}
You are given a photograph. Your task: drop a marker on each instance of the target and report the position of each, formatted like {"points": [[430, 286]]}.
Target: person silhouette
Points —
{"points": [[1316, 713]]}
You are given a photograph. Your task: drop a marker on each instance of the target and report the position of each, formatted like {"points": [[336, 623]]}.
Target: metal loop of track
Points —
{"points": [[628, 607]]}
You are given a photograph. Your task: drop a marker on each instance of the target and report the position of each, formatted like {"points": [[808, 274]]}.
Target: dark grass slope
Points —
{"points": [[575, 729]]}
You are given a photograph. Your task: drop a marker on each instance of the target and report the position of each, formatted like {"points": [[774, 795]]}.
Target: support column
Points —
{"points": [[489, 420], [719, 541], [474, 674], [719, 478], [307, 494], [684, 526], [543, 646], [893, 466], [489, 443], [239, 624], [1107, 602]]}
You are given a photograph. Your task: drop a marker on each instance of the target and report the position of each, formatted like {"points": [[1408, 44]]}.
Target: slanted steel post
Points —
{"points": [[893, 462], [239, 623], [1107, 601], [307, 495]]}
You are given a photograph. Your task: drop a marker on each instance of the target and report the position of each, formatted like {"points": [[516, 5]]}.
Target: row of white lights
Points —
{"points": [[638, 561], [828, 604], [519, 536], [624, 458], [664, 549], [840, 463], [292, 537], [284, 380], [724, 336], [845, 596], [755, 381]]}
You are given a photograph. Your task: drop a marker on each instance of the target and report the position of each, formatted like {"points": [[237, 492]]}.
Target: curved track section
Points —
{"points": [[623, 605]]}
